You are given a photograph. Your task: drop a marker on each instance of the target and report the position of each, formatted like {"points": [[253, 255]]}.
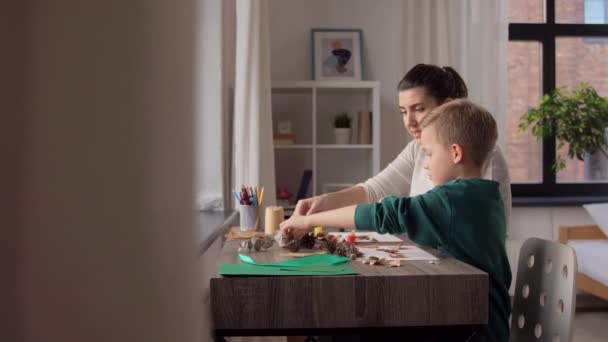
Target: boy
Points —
{"points": [[462, 216]]}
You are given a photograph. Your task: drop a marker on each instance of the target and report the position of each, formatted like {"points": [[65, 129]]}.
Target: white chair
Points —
{"points": [[545, 292]]}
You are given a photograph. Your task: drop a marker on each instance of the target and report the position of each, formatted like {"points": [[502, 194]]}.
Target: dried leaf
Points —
{"points": [[370, 259], [237, 234], [396, 255], [378, 262], [394, 263]]}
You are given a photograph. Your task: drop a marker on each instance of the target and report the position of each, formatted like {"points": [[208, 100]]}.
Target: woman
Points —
{"points": [[422, 89]]}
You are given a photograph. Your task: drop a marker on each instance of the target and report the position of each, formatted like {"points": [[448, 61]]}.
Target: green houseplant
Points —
{"points": [[342, 120], [342, 128], [578, 118]]}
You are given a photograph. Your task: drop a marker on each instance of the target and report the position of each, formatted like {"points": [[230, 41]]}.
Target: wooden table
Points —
{"points": [[425, 301]]}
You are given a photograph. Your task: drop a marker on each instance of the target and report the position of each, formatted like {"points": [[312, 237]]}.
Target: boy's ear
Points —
{"points": [[447, 99], [457, 153]]}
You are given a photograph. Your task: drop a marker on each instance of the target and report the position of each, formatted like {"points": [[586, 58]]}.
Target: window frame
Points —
{"points": [[549, 191]]}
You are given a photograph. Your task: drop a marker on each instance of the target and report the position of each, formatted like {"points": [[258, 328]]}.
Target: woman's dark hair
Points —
{"points": [[440, 83]]}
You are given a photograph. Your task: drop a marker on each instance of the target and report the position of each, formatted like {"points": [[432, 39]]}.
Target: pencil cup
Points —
{"points": [[249, 217]]}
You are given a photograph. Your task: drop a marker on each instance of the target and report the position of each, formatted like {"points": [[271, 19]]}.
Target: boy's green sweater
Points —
{"points": [[463, 218]]}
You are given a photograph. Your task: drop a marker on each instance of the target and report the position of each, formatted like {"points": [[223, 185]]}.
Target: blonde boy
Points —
{"points": [[462, 216]]}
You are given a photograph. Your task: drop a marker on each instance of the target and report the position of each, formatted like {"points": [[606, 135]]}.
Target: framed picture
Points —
{"points": [[337, 54]]}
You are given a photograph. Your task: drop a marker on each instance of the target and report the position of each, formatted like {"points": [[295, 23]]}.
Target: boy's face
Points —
{"points": [[440, 162]]}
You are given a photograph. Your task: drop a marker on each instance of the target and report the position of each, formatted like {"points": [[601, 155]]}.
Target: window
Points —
{"points": [[562, 44]]}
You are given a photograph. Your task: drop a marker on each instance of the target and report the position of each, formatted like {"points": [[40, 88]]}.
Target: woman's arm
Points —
{"points": [[333, 200], [394, 180]]}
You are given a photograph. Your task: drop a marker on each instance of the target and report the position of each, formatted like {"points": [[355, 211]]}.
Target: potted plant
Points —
{"points": [[578, 118], [342, 128]]}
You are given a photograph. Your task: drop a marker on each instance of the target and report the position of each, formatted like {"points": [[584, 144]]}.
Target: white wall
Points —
{"points": [[380, 20], [544, 222], [98, 237]]}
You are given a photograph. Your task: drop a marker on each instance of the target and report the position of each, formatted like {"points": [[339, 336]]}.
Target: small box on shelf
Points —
{"points": [[284, 139]]}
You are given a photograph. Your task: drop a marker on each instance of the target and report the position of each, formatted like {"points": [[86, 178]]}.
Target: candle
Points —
{"points": [[272, 220]]}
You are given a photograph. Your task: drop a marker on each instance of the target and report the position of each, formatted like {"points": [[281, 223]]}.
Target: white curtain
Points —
{"points": [[469, 35], [209, 120], [253, 162]]}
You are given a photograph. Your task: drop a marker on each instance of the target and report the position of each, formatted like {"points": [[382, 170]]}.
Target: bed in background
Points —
{"points": [[591, 246]]}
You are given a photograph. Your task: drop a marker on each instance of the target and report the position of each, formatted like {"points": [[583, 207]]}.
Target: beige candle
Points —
{"points": [[272, 218]]}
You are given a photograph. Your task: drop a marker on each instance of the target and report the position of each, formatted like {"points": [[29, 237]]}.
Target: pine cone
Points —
{"points": [[293, 245], [354, 252], [341, 249], [308, 240], [330, 245]]}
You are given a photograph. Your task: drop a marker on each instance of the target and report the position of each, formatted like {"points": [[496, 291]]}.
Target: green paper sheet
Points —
{"points": [[317, 259], [252, 270], [319, 264]]}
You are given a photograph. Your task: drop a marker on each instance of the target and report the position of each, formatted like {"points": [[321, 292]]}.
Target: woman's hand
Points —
{"points": [[298, 225], [312, 205]]}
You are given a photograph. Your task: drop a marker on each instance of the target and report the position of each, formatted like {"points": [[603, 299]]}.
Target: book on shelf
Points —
{"points": [[304, 185], [284, 139], [364, 125]]}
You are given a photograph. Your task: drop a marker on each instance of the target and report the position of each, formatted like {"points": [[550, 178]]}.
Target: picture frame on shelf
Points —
{"points": [[337, 54]]}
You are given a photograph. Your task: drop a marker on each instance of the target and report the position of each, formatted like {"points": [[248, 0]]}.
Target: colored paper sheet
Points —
{"points": [[260, 270], [316, 260]]}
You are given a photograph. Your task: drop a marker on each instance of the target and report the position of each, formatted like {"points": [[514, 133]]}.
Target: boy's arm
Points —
{"points": [[425, 218], [342, 217]]}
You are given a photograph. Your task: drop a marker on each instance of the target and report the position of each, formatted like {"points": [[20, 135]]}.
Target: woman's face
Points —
{"points": [[414, 104]]}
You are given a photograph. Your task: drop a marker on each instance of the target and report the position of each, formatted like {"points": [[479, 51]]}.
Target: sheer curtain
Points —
{"points": [[253, 152], [210, 146], [471, 36]]}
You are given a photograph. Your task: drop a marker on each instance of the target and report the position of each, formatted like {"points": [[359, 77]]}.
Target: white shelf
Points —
{"points": [[325, 84], [325, 146], [349, 146], [292, 147], [310, 106]]}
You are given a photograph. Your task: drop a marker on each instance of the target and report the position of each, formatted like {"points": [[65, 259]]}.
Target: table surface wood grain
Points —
{"points": [[416, 294]]}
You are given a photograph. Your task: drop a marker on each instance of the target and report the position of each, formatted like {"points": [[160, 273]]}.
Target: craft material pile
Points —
{"points": [[329, 243]]}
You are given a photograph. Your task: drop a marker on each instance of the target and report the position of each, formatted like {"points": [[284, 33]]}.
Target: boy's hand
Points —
{"points": [[297, 224]]}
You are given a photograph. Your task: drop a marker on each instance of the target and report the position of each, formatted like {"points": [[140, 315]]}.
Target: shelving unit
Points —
{"points": [[310, 107]]}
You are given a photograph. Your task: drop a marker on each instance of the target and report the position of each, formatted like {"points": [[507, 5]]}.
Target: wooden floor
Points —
{"points": [[589, 326]]}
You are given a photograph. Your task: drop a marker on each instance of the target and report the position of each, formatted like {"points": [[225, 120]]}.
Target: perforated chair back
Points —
{"points": [[545, 292]]}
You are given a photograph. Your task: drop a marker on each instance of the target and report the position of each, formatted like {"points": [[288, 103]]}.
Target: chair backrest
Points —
{"points": [[545, 292]]}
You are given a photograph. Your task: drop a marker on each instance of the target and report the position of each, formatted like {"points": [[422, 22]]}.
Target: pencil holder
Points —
{"points": [[249, 216]]}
